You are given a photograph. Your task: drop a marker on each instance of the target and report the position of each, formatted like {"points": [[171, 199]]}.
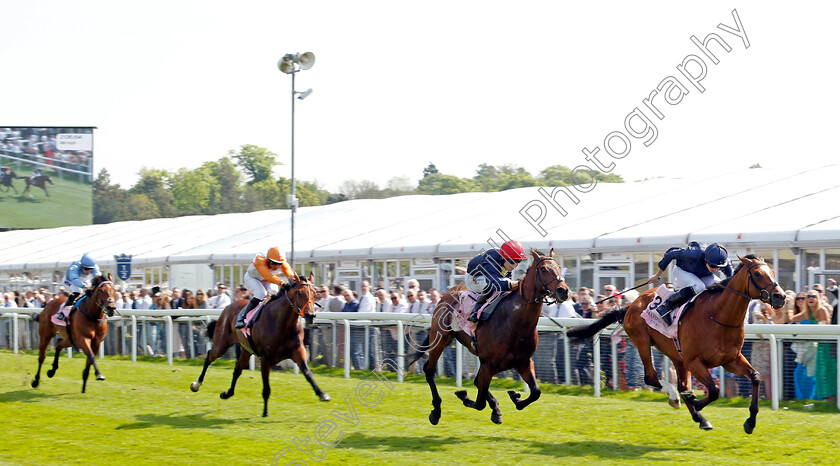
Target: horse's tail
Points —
{"points": [[581, 333], [419, 352], [36, 316], [210, 328]]}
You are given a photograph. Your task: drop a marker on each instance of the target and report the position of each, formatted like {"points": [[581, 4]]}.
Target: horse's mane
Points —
{"points": [[719, 289]]}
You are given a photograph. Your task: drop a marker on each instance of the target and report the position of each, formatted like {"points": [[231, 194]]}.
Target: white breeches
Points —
{"points": [[684, 279], [477, 284], [260, 288]]}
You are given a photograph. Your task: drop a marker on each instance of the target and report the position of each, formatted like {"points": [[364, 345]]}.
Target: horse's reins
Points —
{"points": [[545, 289], [299, 310], [101, 307], [763, 294]]}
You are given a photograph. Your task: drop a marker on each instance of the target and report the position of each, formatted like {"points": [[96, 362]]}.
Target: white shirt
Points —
{"points": [[367, 303], [222, 300], [383, 307], [399, 308]]}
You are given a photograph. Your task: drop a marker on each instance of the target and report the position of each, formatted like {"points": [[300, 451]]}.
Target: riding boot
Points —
{"points": [[474, 314], [240, 319], [69, 302], [674, 301]]}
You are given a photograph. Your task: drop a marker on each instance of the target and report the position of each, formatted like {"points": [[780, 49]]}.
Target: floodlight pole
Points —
{"points": [[294, 199]]}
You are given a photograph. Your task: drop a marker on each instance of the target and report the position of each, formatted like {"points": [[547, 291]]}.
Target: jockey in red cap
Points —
{"points": [[490, 271]]}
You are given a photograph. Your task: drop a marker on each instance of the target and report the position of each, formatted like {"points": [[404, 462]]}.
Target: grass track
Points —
{"points": [[145, 414], [70, 203]]}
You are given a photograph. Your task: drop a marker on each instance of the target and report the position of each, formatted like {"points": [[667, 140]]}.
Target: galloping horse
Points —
{"points": [[6, 180], [506, 341], [85, 329], [39, 181], [276, 336], [711, 334]]}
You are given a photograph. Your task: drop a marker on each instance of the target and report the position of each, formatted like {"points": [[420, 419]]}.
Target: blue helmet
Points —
{"points": [[716, 255], [87, 261]]}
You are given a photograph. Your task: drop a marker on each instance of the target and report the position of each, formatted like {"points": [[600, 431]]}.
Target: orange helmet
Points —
{"points": [[274, 255]]}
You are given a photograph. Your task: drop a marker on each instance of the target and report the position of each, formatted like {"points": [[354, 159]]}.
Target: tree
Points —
{"points": [[108, 199], [490, 178], [226, 192], [191, 190], [257, 162], [438, 183], [154, 183], [431, 169], [560, 175]]}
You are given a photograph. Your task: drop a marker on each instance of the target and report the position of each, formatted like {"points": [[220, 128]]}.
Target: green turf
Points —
{"points": [[70, 203], [144, 413]]}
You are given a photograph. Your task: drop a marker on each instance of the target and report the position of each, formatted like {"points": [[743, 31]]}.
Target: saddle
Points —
{"points": [[653, 319]]}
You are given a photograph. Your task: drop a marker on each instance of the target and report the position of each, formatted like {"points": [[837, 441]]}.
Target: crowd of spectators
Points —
{"points": [[39, 145]]}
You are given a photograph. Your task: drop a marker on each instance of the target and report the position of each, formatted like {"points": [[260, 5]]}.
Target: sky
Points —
{"points": [[397, 85]]}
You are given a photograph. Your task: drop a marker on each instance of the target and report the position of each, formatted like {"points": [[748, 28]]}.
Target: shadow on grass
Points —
{"points": [[601, 449], [189, 421], [25, 396], [31, 200], [361, 440]]}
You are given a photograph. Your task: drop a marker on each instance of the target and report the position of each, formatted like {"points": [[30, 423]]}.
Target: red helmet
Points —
{"points": [[513, 251]]}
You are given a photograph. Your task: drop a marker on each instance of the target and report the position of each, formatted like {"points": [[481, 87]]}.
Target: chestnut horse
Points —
{"points": [[6, 180], [87, 327], [711, 334], [276, 336], [39, 181], [506, 341]]}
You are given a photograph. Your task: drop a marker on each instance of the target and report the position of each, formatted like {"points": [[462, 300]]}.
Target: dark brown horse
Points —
{"points": [[6, 180], [86, 327], [39, 181], [506, 341], [711, 334], [276, 335]]}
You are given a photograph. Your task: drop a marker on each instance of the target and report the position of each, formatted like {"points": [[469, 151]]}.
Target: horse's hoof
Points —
{"points": [[265, 414], [50, 373], [195, 386], [35, 383], [514, 395], [434, 418], [675, 403], [324, 397], [497, 419], [224, 395], [462, 395], [100, 377], [748, 427], [706, 425]]}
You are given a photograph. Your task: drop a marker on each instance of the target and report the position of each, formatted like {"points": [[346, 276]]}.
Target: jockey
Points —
{"points": [[490, 271], [4, 170], [694, 272], [36, 172], [261, 279], [77, 278]]}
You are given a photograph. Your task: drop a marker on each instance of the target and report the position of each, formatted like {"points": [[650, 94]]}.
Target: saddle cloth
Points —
{"points": [[250, 315], [654, 320], [467, 301]]}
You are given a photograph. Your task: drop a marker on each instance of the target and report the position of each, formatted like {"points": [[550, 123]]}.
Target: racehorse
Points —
{"points": [[86, 327], [6, 180], [39, 181], [506, 341], [710, 334], [278, 335]]}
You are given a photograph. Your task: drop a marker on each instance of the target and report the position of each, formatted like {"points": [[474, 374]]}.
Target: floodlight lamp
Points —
{"points": [[304, 94]]}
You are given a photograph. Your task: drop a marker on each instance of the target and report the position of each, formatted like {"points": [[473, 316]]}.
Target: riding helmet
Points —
{"points": [[716, 255], [513, 251]]}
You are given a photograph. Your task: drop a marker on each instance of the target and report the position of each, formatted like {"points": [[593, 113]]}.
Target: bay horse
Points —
{"points": [[86, 327], [710, 334], [276, 336], [39, 181], [508, 340], [6, 180]]}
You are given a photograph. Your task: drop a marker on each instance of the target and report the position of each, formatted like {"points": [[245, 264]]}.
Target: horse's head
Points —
{"points": [[47, 178], [302, 297], [762, 280], [103, 294], [547, 279]]}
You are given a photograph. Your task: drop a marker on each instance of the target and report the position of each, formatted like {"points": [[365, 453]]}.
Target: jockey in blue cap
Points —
{"points": [[78, 277], [694, 272]]}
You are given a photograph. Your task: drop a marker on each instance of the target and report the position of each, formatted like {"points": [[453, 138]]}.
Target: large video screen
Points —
{"points": [[46, 177]]}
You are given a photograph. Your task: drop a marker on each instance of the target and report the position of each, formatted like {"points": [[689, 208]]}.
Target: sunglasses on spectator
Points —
{"points": [[801, 298]]}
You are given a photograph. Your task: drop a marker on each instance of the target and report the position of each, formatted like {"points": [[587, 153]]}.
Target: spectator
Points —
{"points": [[367, 302], [434, 297], [200, 299], [357, 334], [143, 301], [221, 299], [426, 306], [337, 301], [351, 301]]}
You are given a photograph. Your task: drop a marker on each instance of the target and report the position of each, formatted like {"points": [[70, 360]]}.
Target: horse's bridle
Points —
{"points": [[763, 294], [546, 291], [295, 307], [101, 306]]}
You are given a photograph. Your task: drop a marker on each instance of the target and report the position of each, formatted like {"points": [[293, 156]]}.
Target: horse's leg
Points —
{"points": [[42, 353], [59, 346], [642, 341], [86, 349], [299, 357], [530, 378], [742, 367], [691, 402], [244, 356], [94, 350], [265, 368], [440, 341], [220, 347], [482, 382], [496, 417]]}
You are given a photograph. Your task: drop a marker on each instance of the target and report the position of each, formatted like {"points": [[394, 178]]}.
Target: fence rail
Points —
{"points": [[367, 326]]}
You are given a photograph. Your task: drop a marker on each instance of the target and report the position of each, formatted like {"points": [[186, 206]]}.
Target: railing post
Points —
{"points": [[722, 377], [169, 326], [346, 348], [15, 332], [774, 373], [567, 361], [614, 363], [334, 326], [367, 347], [596, 364], [134, 339], [459, 364], [400, 351]]}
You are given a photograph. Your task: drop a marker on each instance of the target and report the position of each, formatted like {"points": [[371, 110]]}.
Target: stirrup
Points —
{"points": [[60, 316], [473, 317]]}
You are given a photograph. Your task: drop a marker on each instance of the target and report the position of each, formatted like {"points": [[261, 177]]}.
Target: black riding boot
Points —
{"points": [[69, 302], [240, 319], [474, 314], [674, 301]]}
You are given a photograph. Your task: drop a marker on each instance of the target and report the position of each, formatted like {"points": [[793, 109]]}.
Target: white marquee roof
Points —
{"points": [[749, 208]]}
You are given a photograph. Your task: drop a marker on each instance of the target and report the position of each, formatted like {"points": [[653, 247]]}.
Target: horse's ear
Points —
{"points": [[743, 260], [551, 253], [535, 254], [311, 277]]}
